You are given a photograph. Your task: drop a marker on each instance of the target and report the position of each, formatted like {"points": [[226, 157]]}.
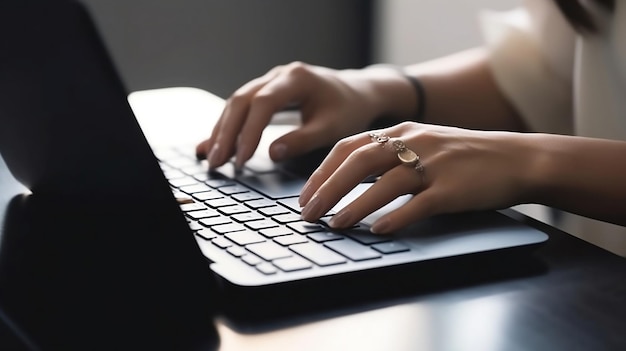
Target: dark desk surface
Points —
{"points": [[576, 301]]}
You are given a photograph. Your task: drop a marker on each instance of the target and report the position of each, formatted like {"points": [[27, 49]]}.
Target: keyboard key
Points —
{"points": [[251, 259], [274, 232], [366, 237], [218, 183], [192, 207], [222, 242], [232, 189], [173, 173], [290, 264], [194, 188], [269, 250], [291, 239], [207, 195], [248, 216], [206, 234], [266, 268], [256, 204], [250, 195], [303, 227], [245, 237], [232, 210], [209, 222], [273, 210], [391, 247], [262, 224], [178, 182], [353, 250], [202, 214], [221, 202], [321, 237], [227, 228], [195, 226], [237, 251], [318, 254], [291, 203], [287, 218]]}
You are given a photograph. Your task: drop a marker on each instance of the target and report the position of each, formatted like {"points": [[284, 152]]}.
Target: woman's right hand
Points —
{"points": [[333, 105]]}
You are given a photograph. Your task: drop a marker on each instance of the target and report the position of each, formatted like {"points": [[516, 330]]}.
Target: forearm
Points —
{"points": [[460, 90], [580, 175]]}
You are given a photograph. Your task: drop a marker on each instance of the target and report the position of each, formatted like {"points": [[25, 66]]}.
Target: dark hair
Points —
{"points": [[578, 16]]}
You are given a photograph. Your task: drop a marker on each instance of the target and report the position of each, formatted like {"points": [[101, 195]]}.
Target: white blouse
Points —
{"points": [[562, 82]]}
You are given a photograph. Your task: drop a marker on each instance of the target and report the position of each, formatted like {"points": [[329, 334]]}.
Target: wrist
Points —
{"points": [[392, 93]]}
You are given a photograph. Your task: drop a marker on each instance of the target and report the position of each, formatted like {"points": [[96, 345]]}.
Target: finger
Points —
{"points": [[308, 137], [337, 155], [293, 85], [423, 205], [220, 146], [366, 160], [331, 162], [398, 181]]}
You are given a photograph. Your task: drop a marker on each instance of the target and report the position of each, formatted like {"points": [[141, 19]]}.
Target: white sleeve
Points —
{"points": [[532, 54]]}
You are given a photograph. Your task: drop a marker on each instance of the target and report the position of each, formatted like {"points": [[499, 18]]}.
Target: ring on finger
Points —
{"points": [[379, 137], [407, 156]]}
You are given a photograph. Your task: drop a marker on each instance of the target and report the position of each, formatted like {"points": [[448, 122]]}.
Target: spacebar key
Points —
{"points": [[318, 254]]}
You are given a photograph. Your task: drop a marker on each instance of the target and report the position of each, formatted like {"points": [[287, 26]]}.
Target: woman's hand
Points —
{"points": [[333, 104], [463, 170]]}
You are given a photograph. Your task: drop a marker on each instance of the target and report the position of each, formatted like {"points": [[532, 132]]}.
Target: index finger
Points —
{"points": [[351, 161]]}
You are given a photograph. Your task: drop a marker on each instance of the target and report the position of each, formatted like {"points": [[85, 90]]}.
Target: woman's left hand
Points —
{"points": [[457, 170]]}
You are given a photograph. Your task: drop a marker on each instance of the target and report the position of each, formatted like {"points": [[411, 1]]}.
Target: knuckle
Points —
{"points": [[405, 126], [238, 97], [427, 137], [262, 99], [344, 144], [298, 69]]}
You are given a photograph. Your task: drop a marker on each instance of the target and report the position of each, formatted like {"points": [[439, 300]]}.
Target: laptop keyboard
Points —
{"points": [[255, 217]]}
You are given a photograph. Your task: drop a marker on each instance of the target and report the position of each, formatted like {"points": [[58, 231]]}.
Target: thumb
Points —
{"points": [[300, 141]]}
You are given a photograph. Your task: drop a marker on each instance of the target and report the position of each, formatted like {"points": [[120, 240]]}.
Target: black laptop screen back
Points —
{"points": [[99, 255], [70, 120]]}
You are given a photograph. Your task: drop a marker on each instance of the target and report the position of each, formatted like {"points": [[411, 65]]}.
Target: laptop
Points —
{"points": [[67, 133]]}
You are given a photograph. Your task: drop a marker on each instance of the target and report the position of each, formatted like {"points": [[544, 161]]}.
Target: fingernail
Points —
{"points": [[214, 156], [380, 226], [310, 211], [242, 150], [341, 219], [305, 194], [279, 151]]}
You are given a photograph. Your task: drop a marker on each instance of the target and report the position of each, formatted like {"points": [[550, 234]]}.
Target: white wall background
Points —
{"points": [[409, 31]]}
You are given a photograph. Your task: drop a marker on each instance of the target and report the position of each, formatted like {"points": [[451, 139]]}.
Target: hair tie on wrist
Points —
{"points": [[421, 95]]}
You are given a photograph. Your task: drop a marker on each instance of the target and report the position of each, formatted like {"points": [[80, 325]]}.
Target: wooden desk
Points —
{"points": [[577, 303]]}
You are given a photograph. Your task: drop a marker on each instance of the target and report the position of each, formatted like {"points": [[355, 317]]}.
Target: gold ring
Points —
{"points": [[379, 137], [407, 156]]}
